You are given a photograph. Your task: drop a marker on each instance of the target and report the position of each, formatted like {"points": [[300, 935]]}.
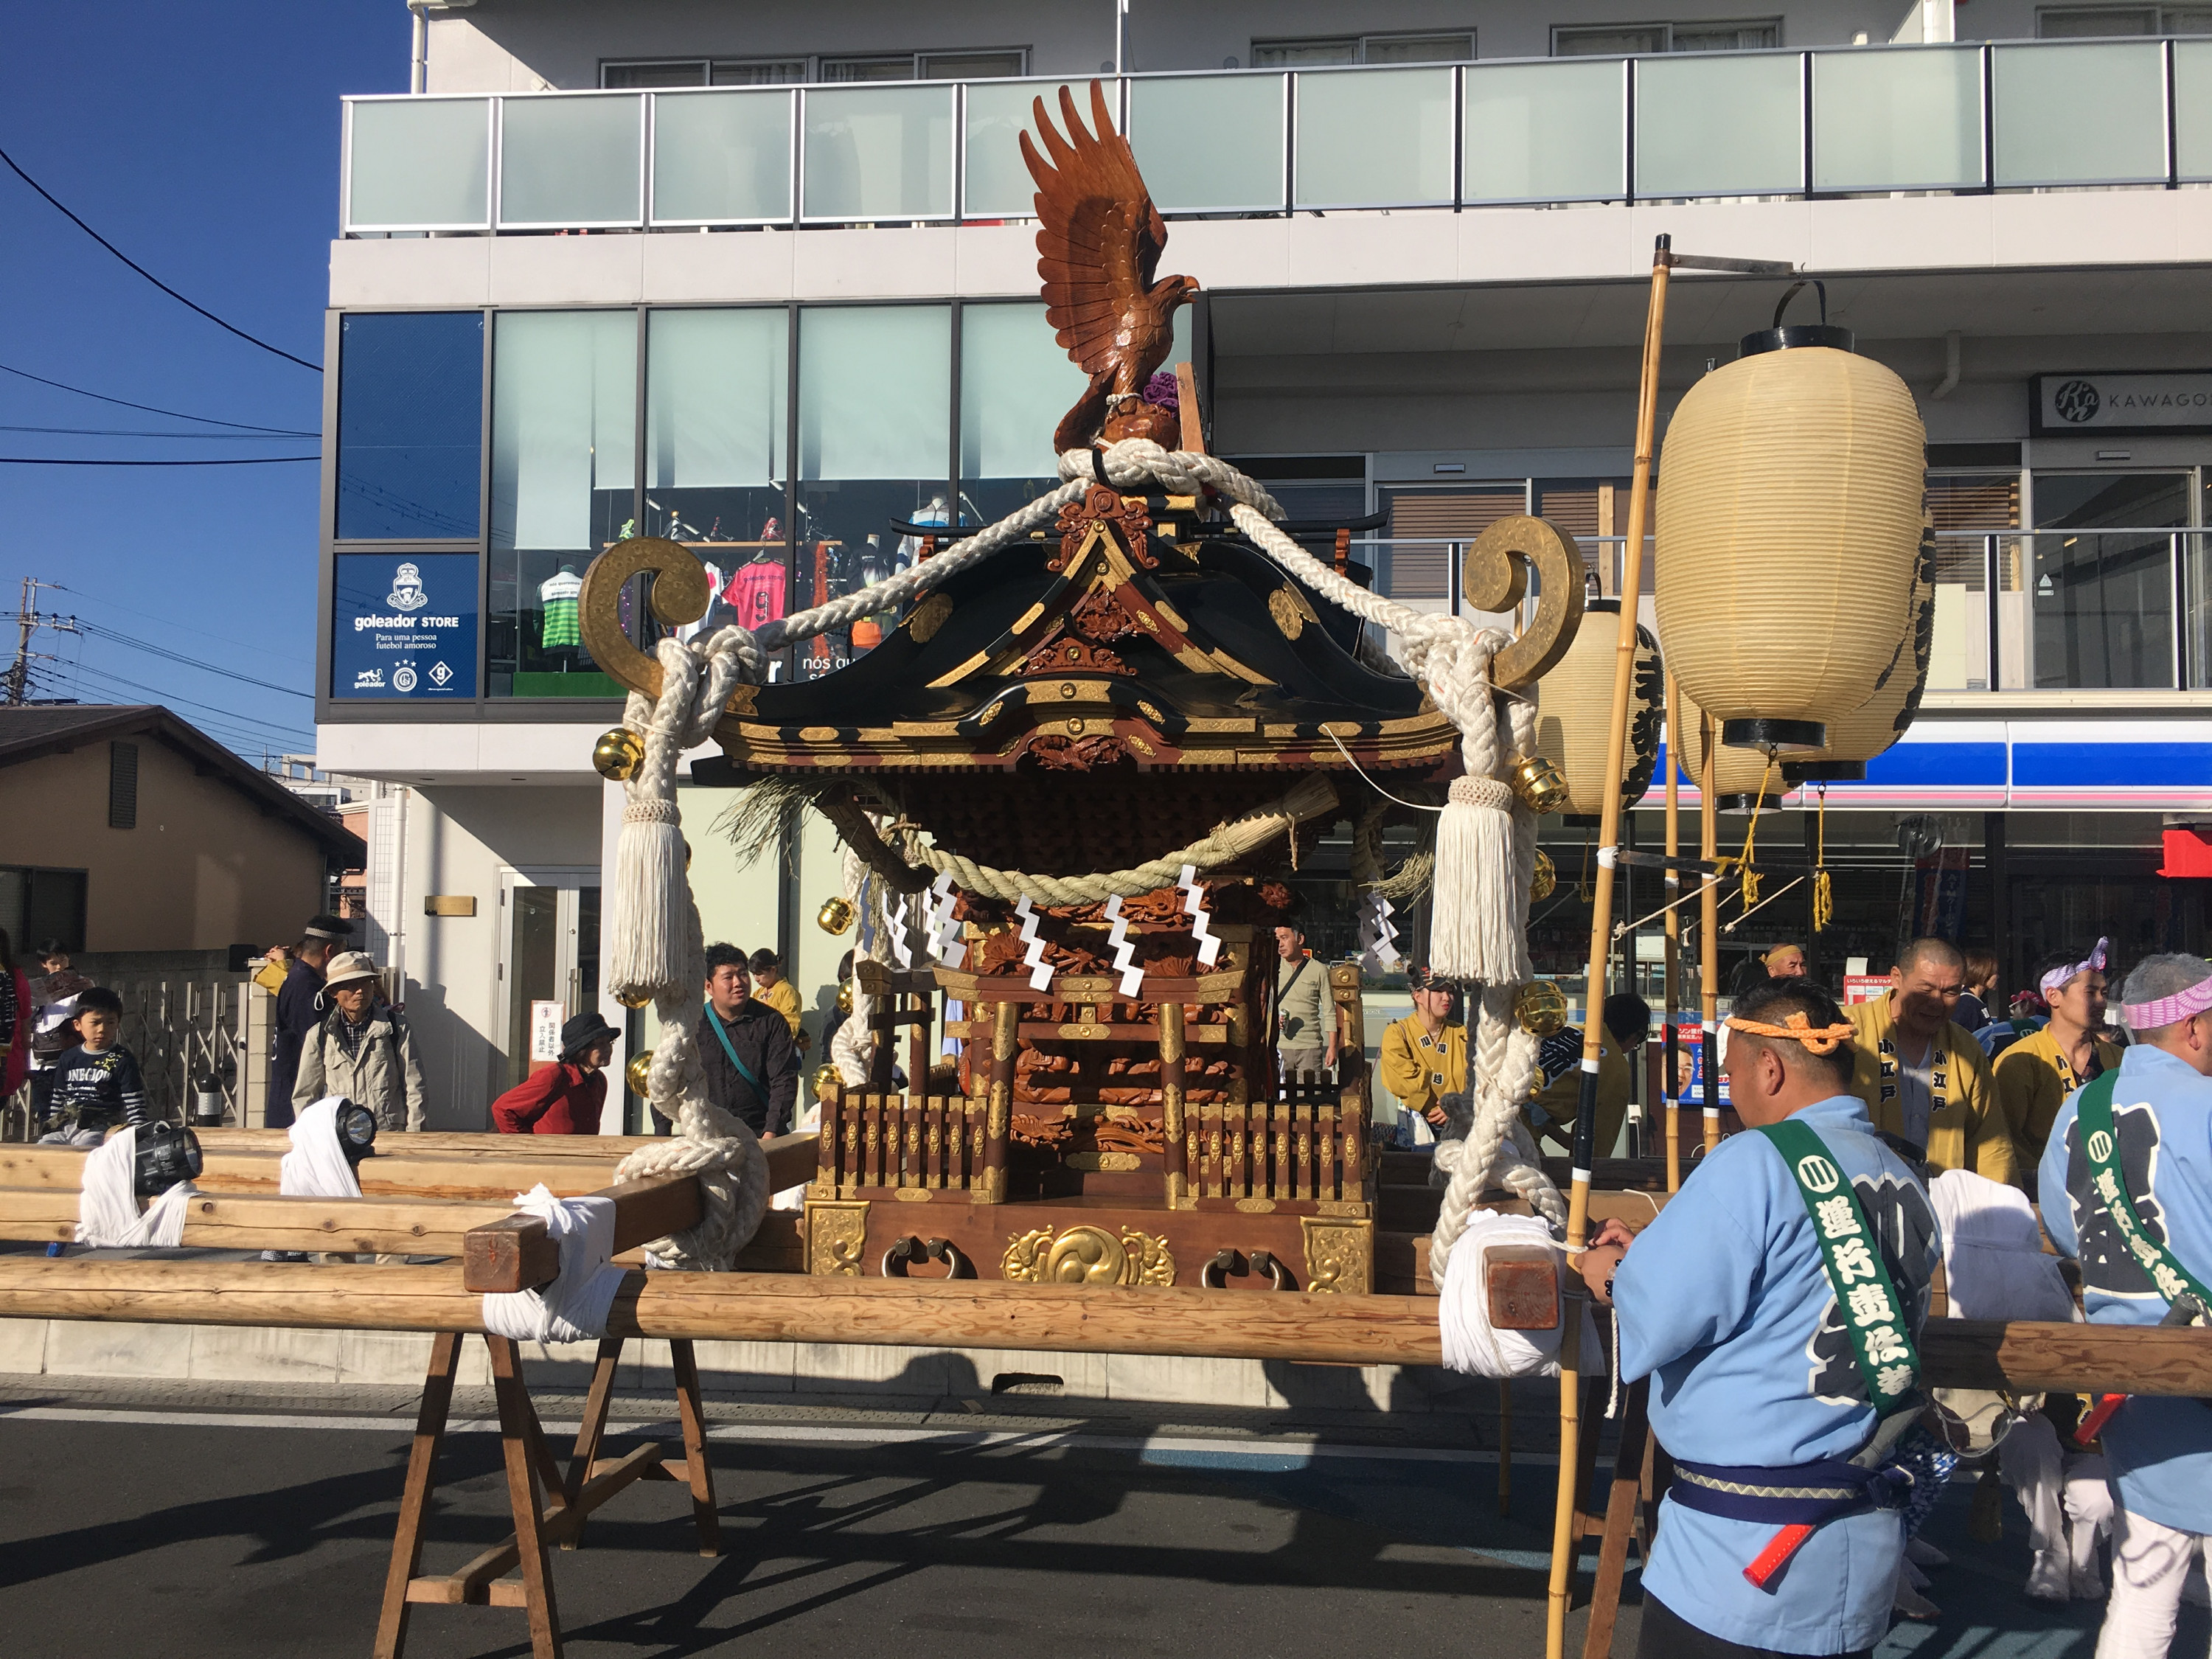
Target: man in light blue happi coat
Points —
{"points": [[2157, 1172], [1758, 1390]]}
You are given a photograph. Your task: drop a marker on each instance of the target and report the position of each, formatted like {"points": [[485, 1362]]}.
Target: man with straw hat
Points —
{"points": [[2131, 1155], [1923, 1077], [363, 1048], [1778, 1299]]}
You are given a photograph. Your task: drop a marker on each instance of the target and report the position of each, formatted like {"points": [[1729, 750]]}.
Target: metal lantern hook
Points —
{"points": [[1791, 292]]}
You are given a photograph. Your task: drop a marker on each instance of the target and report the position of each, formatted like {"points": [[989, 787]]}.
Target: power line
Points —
{"points": [[84, 669], [195, 437], [220, 460], [148, 616], [99, 631], [148, 408], [249, 338]]}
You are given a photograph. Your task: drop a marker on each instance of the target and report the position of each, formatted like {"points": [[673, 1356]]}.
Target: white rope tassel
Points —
{"points": [[1472, 935]]}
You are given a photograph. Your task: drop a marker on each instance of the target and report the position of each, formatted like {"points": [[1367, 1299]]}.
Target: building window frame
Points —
{"points": [[813, 69], [1667, 33]]}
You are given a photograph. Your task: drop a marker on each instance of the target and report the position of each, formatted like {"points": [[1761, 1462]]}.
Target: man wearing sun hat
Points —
{"points": [[563, 1099], [2126, 1182], [363, 1049]]}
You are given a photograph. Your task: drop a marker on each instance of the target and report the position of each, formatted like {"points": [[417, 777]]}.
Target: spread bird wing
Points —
{"points": [[1100, 238]]}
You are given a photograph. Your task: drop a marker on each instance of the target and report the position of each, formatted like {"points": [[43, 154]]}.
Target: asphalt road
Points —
{"points": [[141, 1528]]}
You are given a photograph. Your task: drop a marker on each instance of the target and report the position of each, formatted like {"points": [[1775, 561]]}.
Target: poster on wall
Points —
{"points": [[404, 626], [545, 1019]]}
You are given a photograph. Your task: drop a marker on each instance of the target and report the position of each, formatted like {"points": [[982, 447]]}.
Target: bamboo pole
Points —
{"points": [[1708, 927], [1671, 1073], [1600, 951]]}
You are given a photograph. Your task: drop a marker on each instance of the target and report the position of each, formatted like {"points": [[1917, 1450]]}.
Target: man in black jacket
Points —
{"points": [[752, 1069], [299, 1010]]}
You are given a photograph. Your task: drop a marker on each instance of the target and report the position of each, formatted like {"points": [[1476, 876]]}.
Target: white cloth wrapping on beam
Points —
{"points": [[1994, 1266], [1471, 1343], [107, 1205], [574, 1307], [316, 1166]]}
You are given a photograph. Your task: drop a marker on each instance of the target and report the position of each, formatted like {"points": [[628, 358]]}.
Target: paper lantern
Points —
{"points": [[1856, 738], [1574, 708], [1789, 505], [1737, 773]]}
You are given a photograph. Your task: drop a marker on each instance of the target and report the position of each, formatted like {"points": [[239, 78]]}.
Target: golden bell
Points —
{"points": [[1546, 878], [835, 915], [845, 997], [638, 1074], [1538, 783], [1540, 1007], [826, 1078], [642, 998], [618, 754]]}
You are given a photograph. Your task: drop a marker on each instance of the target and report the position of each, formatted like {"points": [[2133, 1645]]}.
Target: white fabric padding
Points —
{"points": [[574, 1307], [1994, 1266], [1472, 1344], [317, 1167], [107, 1207]]}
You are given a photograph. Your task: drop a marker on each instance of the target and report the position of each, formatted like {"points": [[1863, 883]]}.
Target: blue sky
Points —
{"points": [[203, 141]]}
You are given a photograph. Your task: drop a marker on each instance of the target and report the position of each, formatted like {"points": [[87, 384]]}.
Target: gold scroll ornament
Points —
{"points": [[837, 1232], [1087, 1255]]}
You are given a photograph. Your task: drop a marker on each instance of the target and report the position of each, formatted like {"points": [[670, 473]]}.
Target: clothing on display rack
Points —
{"points": [[756, 592], [713, 619], [558, 594]]}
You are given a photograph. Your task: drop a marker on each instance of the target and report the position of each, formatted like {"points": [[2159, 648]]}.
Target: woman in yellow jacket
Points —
{"points": [[1424, 1056], [1923, 1077], [2036, 1074]]}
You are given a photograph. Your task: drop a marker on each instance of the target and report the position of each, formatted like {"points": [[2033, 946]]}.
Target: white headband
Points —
{"points": [[2058, 978]]}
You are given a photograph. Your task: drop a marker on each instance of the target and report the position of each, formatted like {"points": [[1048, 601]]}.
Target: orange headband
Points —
{"points": [[1797, 1029]]}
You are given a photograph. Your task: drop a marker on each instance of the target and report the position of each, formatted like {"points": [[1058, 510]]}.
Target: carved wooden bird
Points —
{"points": [[1099, 242]]}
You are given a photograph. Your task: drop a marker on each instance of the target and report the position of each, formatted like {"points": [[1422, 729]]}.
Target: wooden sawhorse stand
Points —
{"points": [[1641, 1472], [540, 1522]]}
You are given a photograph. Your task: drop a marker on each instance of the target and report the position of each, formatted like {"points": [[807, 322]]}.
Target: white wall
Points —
{"points": [[502, 46]]}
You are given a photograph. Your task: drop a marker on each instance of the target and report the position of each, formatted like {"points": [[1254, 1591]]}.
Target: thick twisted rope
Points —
{"points": [[1225, 843], [697, 679]]}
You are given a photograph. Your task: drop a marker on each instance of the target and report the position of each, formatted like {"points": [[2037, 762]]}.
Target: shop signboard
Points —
{"points": [[1864, 987], [2089, 404], [404, 627]]}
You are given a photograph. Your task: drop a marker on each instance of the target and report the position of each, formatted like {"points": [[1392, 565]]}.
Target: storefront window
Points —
{"points": [[1015, 384], [875, 398], [411, 426], [1969, 510], [564, 402], [714, 454], [2102, 599]]}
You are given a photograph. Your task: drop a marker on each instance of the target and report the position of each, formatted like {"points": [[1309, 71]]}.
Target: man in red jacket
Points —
{"points": [[563, 1099]]}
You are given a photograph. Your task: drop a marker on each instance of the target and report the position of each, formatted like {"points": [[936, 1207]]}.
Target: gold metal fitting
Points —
{"points": [[618, 754], [845, 997], [826, 1078], [638, 1001], [1538, 783], [1547, 877], [835, 915], [639, 1074], [1540, 1007]]}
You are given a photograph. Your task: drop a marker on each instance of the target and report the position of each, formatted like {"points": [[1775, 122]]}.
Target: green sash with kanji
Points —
{"points": [[1875, 1317], [2101, 1146]]}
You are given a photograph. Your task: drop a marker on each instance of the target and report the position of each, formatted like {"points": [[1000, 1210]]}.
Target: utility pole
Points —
{"points": [[28, 622]]}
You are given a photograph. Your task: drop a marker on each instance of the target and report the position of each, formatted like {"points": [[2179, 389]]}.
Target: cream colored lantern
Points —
{"points": [[1738, 774], [1789, 505], [1574, 707], [1870, 729]]}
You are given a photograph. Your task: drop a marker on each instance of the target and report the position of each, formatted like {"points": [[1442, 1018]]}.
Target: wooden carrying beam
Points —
{"points": [[517, 1253], [1372, 1330]]}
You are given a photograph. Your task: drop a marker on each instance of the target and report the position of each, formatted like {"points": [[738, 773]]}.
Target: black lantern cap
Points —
{"points": [[1774, 735], [1797, 772], [1779, 338]]}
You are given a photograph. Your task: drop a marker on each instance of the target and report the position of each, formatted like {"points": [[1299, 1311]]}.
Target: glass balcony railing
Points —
{"points": [[1862, 120], [2068, 610]]}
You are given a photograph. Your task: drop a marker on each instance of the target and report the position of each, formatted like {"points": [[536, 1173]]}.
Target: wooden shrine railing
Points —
{"points": [[913, 1147]]}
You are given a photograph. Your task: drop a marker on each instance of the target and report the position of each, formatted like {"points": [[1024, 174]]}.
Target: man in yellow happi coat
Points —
{"points": [[1922, 1077], [2035, 1074], [1423, 1056]]}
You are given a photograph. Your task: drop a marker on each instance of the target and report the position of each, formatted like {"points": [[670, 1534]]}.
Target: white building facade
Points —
{"points": [[758, 279]]}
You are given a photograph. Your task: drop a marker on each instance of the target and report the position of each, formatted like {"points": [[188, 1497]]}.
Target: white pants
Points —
{"points": [[2067, 1501], [2149, 1562]]}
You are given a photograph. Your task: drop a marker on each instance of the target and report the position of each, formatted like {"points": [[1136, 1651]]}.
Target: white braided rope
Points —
{"points": [[854, 1048], [697, 679]]}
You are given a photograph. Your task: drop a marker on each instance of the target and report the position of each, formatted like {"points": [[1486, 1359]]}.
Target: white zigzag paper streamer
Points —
{"points": [[900, 939], [945, 932], [1033, 957], [1378, 936], [1132, 978], [1193, 904]]}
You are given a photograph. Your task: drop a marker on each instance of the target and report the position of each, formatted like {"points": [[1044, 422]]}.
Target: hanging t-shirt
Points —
{"points": [[756, 592], [558, 593], [709, 621]]}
